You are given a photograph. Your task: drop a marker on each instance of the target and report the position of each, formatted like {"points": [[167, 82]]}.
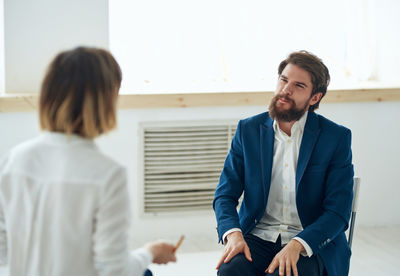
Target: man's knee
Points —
{"points": [[275, 273], [237, 266]]}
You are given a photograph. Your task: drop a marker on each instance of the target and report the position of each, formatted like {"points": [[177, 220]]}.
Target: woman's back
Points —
{"points": [[64, 207], [54, 191]]}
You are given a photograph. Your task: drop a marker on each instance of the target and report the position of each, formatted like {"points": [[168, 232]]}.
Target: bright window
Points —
{"points": [[230, 45], [2, 73]]}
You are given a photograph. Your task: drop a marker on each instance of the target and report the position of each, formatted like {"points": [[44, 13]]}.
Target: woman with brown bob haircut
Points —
{"points": [[64, 206], [79, 93]]}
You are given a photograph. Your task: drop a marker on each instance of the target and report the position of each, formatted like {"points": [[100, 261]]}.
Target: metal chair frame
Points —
{"points": [[356, 189]]}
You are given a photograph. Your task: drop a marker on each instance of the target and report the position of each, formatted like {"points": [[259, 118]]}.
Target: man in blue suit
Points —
{"points": [[294, 169]]}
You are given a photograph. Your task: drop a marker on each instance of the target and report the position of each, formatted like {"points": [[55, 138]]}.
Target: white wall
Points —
{"points": [[376, 152], [388, 55], [2, 74], [35, 31]]}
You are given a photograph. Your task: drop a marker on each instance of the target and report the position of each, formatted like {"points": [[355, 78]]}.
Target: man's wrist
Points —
{"points": [[234, 234], [224, 240], [308, 251], [298, 246]]}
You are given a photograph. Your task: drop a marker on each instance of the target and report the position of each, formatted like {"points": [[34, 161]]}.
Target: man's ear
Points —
{"points": [[315, 98]]}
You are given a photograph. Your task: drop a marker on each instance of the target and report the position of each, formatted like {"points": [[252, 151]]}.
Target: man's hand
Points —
{"points": [[235, 245], [162, 252], [287, 259]]}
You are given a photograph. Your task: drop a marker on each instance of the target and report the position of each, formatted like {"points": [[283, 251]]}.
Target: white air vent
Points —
{"points": [[182, 164]]}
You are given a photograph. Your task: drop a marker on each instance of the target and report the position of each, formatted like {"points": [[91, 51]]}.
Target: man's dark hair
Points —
{"points": [[319, 72]]}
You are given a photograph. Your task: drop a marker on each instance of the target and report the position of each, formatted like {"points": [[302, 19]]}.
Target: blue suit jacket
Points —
{"points": [[324, 184]]}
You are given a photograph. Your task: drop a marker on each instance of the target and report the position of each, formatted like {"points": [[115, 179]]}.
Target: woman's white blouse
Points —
{"points": [[64, 210]]}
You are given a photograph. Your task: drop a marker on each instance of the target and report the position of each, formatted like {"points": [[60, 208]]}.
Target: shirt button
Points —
{"points": [[285, 187], [286, 165]]}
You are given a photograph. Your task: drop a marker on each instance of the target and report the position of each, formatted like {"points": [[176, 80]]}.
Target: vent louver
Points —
{"points": [[182, 165]]}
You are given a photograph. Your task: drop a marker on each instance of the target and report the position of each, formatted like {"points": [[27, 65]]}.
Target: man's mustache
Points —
{"points": [[285, 97]]}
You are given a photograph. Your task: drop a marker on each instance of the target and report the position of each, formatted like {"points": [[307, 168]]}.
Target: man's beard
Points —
{"points": [[289, 115]]}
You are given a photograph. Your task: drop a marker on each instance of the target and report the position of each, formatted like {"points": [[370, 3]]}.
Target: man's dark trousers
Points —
{"points": [[262, 253]]}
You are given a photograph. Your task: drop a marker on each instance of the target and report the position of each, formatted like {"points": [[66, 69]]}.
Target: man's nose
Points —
{"points": [[287, 89]]}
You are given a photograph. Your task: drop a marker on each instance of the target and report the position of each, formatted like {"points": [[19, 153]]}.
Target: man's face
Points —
{"points": [[293, 94]]}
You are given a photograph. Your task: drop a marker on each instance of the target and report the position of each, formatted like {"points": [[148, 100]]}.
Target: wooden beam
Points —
{"points": [[19, 103]]}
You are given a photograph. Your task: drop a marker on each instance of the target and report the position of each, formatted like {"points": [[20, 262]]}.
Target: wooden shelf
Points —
{"points": [[21, 103]]}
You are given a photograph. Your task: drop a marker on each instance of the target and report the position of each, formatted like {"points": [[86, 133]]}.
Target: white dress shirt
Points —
{"points": [[64, 210], [281, 216]]}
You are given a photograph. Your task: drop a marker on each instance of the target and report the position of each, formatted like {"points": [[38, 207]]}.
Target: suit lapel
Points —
{"points": [[310, 135], [267, 152]]}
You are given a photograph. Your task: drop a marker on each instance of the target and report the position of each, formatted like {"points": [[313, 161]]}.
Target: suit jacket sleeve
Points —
{"points": [[337, 201], [230, 187]]}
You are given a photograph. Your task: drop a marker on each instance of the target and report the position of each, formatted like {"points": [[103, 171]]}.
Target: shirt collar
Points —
{"points": [[298, 126], [66, 139]]}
